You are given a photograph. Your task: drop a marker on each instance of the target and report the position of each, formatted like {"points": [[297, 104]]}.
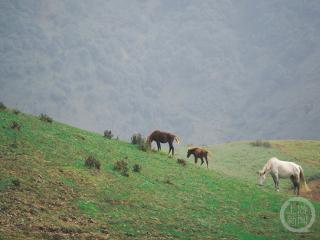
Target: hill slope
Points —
{"points": [[242, 159], [47, 192]]}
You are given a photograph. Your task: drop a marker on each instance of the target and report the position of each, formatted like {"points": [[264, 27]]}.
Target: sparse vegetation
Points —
{"points": [[45, 118], [182, 161], [56, 192], [260, 143], [92, 162], [2, 106], [136, 168], [108, 134], [15, 125], [122, 167]]}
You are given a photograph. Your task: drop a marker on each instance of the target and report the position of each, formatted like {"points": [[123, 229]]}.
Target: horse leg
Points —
{"points": [[275, 180], [201, 161], [171, 149], [295, 183], [195, 159], [206, 158], [159, 146]]}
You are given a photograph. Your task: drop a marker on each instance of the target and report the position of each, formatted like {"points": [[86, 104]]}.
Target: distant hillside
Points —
{"points": [[47, 192], [212, 71]]}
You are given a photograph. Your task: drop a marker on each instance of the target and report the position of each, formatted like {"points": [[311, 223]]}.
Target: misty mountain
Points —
{"points": [[210, 71]]}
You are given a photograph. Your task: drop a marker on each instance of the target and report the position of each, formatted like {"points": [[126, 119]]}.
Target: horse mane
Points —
{"points": [[192, 148], [267, 166]]}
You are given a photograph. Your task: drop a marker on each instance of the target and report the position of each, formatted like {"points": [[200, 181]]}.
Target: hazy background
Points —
{"points": [[210, 71]]}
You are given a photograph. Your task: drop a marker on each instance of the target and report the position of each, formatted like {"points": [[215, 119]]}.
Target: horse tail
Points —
{"points": [[209, 153], [177, 139], [303, 183]]}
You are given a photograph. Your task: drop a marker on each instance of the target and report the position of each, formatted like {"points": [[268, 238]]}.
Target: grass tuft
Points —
{"points": [[136, 168], [15, 125], [181, 161]]}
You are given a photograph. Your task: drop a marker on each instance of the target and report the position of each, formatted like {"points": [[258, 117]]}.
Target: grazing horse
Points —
{"points": [[198, 153], [163, 137], [283, 169]]}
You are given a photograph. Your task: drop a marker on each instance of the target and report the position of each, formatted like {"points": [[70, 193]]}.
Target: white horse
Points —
{"points": [[283, 169]]}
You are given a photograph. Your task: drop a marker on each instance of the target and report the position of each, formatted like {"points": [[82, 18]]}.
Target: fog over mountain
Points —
{"points": [[210, 71]]}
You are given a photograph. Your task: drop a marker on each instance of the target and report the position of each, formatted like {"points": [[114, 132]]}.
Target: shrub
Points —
{"points": [[122, 167], [2, 106], [16, 111], [136, 168], [140, 141], [108, 134], [182, 161], [45, 118], [137, 139], [91, 162], [15, 125], [260, 143]]}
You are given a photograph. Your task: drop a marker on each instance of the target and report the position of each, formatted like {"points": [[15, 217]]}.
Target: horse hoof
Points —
{"points": [[277, 190]]}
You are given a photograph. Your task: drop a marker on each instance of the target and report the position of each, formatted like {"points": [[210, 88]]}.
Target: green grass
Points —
{"points": [[242, 160], [164, 201]]}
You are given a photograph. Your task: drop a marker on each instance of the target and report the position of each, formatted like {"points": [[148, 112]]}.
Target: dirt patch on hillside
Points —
{"points": [[35, 203], [314, 194]]}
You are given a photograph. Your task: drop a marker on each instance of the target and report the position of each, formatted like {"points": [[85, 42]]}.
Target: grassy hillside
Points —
{"points": [[47, 192], [242, 159]]}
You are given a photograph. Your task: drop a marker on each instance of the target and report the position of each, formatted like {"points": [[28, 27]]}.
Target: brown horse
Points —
{"points": [[198, 153], [163, 137]]}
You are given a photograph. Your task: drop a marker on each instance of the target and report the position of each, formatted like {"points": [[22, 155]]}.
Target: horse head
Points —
{"points": [[261, 177], [189, 153]]}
